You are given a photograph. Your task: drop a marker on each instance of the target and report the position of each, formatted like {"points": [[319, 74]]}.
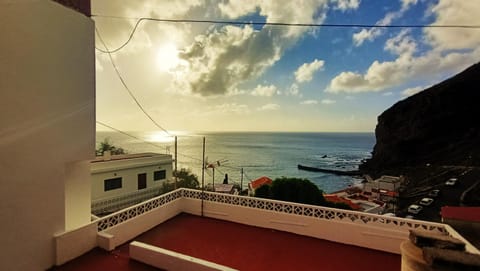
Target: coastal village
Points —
{"points": [[119, 181]]}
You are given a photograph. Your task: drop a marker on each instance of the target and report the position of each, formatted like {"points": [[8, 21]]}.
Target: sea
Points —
{"points": [[256, 154]]}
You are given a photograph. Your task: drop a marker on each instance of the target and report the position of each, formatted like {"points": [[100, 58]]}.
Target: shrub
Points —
{"points": [[293, 190]]}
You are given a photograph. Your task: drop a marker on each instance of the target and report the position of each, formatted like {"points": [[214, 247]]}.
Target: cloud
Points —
{"points": [[454, 12], [412, 91], [327, 101], [452, 50], [371, 34], [407, 3], [224, 57], [365, 34], [294, 90], [117, 32], [266, 91], [269, 107], [229, 108], [305, 72], [407, 66], [402, 44], [309, 102], [345, 5], [235, 9]]}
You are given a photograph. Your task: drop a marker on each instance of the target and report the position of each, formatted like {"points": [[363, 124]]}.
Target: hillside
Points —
{"points": [[438, 126]]}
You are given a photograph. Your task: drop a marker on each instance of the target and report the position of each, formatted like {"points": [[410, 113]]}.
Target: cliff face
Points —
{"points": [[440, 126]]}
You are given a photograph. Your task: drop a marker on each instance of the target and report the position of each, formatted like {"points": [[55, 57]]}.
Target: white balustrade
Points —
{"points": [[350, 227]]}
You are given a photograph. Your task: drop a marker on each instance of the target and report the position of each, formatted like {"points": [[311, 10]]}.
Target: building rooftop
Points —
{"points": [[471, 214], [115, 157], [260, 181], [241, 247]]}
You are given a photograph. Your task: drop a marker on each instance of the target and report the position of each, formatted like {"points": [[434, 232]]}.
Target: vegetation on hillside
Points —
{"points": [[296, 190]]}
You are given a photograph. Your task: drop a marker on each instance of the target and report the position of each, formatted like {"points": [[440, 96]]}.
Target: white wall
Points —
{"points": [[375, 237], [131, 228], [47, 122], [129, 178], [77, 194]]}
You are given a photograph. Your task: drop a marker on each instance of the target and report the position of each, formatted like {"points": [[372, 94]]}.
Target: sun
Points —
{"points": [[167, 57]]}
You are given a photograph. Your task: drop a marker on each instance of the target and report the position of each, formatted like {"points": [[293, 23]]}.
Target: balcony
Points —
{"points": [[243, 233]]}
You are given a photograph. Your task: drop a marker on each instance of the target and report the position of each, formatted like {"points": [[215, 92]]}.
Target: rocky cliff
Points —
{"points": [[438, 126]]}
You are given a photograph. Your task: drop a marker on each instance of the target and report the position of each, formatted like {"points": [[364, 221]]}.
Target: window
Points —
{"points": [[159, 175], [142, 181], [111, 184]]}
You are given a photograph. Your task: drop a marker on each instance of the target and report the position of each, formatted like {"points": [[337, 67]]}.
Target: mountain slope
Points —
{"points": [[440, 125]]}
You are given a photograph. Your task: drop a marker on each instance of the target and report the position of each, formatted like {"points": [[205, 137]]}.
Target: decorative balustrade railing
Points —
{"points": [[269, 205], [314, 211], [136, 210], [117, 203]]}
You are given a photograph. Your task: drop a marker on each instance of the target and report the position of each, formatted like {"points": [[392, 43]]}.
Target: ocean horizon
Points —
{"points": [[271, 154]]}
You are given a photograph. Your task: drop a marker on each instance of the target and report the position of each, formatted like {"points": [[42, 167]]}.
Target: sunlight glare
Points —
{"points": [[167, 57], [162, 137]]}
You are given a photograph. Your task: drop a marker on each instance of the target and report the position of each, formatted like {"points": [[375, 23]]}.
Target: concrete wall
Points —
{"points": [[170, 260], [77, 194], [379, 238], [129, 229], [71, 244], [47, 124]]}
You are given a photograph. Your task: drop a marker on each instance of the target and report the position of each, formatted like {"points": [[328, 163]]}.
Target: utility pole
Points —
{"points": [[203, 173], [176, 170], [241, 180], [213, 178]]}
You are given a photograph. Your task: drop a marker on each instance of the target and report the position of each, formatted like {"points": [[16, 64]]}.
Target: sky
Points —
{"points": [[221, 77]]}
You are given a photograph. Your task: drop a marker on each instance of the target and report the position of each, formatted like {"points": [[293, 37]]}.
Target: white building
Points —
{"points": [[384, 187], [47, 128], [119, 181]]}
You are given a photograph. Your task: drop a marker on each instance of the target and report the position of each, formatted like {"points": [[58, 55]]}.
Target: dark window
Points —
{"points": [[114, 183], [142, 181], [159, 175]]}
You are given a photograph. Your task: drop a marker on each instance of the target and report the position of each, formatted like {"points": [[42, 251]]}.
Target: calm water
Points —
{"points": [[260, 154]]}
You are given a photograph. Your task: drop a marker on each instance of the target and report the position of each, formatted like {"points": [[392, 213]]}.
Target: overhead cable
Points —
{"points": [[354, 25], [125, 85], [144, 141], [127, 134]]}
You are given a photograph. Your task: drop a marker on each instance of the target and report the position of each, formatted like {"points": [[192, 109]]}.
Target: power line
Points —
{"points": [[141, 19], [125, 85], [127, 134], [144, 141]]}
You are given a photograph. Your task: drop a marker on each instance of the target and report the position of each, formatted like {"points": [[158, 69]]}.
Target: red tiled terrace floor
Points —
{"points": [[241, 247]]}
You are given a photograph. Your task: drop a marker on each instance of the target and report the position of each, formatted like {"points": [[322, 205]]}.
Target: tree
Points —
{"points": [[264, 191], [107, 145], [293, 190], [186, 179]]}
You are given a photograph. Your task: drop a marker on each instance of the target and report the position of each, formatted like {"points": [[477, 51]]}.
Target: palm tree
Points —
{"points": [[107, 145]]}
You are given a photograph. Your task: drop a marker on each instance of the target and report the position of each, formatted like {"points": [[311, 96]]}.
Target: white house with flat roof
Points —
{"points": [[119, 181], [384, 187]]}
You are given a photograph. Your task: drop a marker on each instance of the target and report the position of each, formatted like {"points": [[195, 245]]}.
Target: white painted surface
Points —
{"points": [[348, 227], [379, 238], [77, 195], [128, 170], [130, 229], [171, 260], [47, 116], [74, 243]]}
